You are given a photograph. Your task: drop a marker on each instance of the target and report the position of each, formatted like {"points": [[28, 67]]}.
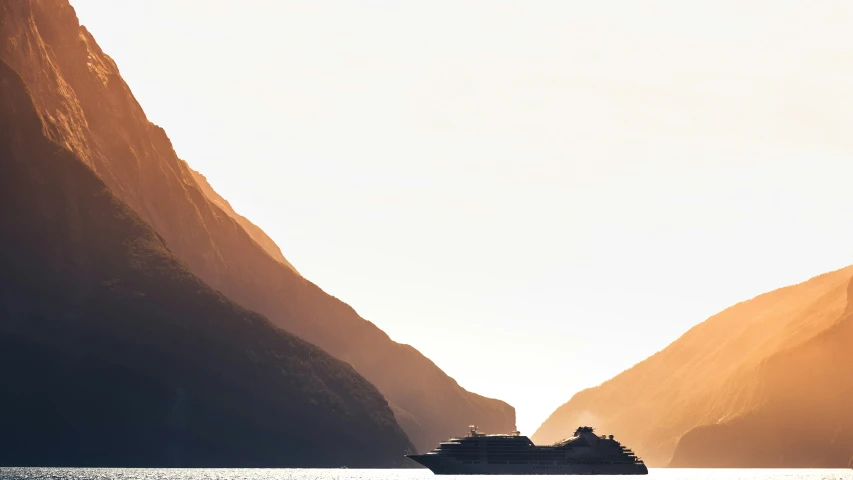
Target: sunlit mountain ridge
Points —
{"points": [[91, 111], [253, 230], [761, 384], [114, 354]]}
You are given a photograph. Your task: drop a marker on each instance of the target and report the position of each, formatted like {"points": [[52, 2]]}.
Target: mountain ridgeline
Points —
{"points": [[113, 353], [88, 109], [765, 383]]}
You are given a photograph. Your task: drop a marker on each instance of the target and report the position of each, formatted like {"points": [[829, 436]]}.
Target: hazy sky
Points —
{"points": [[536, 195]]}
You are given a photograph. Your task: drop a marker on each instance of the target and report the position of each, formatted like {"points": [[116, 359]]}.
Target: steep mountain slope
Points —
{"points": [[112, 353], [713, 374], [258, 235], [804, 416], [91, 111]]}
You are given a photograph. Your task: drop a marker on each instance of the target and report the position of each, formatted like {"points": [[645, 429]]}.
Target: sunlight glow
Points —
{"points": [[536, 195]]}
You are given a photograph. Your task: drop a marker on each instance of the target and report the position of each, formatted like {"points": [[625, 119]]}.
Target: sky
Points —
{"points": [[536, 195]]}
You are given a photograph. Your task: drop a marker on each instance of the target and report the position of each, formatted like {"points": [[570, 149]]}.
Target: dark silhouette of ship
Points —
{"points": [[584, 453]]}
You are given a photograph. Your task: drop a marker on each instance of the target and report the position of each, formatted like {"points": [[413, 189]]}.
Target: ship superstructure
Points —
{"points": [[514, 454]]}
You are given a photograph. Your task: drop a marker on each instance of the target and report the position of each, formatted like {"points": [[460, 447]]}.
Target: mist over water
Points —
{"points": [[414, 474]]}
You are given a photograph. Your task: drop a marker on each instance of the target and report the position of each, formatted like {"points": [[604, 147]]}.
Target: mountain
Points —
{"points": [[804, 419], [90, 110], [113, 353], [764, 383], [258, 235]]}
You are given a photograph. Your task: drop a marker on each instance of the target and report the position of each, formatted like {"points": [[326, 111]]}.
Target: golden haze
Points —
{"points": [[606, 173], [764, 383]]}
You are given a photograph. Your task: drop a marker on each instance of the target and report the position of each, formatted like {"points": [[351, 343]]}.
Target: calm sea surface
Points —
{"points": [[418, 474]]}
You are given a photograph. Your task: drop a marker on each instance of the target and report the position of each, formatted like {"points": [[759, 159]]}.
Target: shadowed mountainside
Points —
{"points": [[90, 110], [112, 353], [760, 384]]}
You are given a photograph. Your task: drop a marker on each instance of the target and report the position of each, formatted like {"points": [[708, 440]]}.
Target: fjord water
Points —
{"points": [[413, 474]]}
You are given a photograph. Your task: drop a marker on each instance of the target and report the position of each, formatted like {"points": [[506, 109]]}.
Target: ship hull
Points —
{"points": [[441, 465]]}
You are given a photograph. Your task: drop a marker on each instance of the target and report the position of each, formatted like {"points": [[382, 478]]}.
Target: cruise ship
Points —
{"points": [[584, 453]]}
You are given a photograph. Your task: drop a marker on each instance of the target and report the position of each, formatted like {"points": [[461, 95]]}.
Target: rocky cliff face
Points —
{"points": [[113, 353], [90, 110], [764, 383]]}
